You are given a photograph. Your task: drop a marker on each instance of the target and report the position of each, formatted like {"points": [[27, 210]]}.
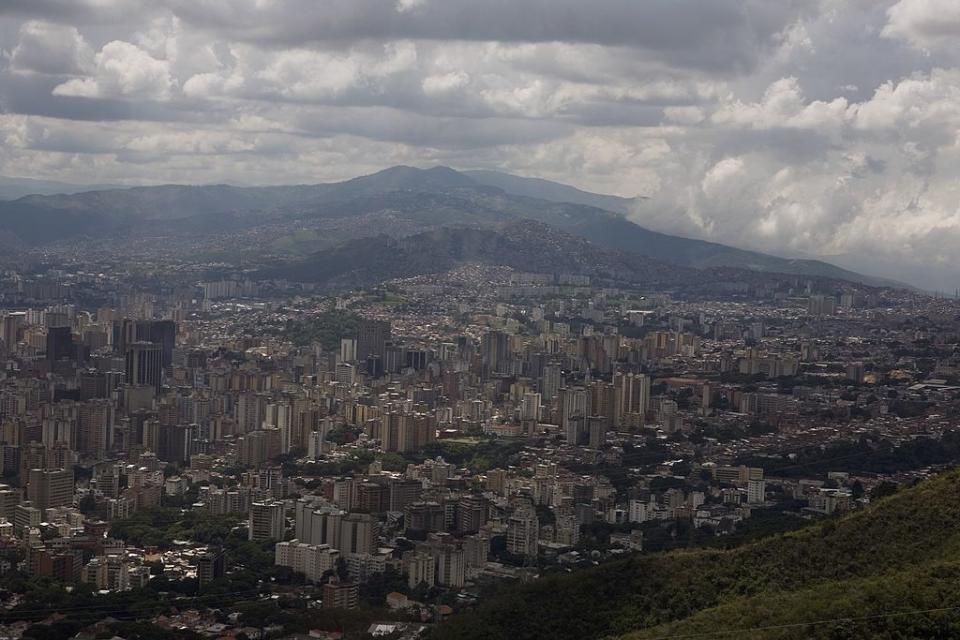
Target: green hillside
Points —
{"points": [[867, 574]]}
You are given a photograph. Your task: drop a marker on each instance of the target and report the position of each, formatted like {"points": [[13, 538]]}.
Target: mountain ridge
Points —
{"points": [[36, 220]]}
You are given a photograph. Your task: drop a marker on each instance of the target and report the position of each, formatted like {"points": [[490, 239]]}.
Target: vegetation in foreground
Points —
{"points": [[889, 571]]}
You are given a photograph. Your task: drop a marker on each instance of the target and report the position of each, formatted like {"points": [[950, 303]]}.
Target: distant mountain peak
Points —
{"points": [[400, 200], [407, 177]]}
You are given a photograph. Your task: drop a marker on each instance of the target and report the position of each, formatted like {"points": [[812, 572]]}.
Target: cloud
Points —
{"points": [[116, 12], [722, 34], [122, 70], [926, 24], [824, 127], [50, 49]]}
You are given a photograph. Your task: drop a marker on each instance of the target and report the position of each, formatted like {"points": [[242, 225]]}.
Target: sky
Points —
{"points": [[810, 128]]}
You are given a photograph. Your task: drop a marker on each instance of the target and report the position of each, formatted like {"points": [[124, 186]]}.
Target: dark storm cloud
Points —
{"points": [[109, 12]]}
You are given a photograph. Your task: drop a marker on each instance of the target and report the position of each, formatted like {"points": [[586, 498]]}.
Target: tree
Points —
{"points": [[883, 490], [857, 490]]}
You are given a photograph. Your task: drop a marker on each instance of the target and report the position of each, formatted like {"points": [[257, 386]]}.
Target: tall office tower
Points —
{"points": [[394, 359], [551, 381], [50, 488], [60, 344], [175, 440], [372, 339], [374, 366], [160, 332], [125, 334], [266, 521], [163, 333], [573, 407], [495, 351], [95, 427], [144, 364], [633, 397], [348, 350]]}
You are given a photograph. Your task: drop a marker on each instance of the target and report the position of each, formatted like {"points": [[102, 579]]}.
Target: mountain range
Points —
{"points": [[296, 222]]}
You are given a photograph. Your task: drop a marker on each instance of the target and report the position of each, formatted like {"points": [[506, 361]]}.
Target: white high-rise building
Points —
{"points": [[756, 491]]}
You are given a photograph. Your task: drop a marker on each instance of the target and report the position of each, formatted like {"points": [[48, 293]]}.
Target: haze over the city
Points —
{"points": [[812, 129]]}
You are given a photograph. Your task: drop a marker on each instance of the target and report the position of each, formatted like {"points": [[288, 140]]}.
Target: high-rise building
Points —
{"points": [[448, 559], [601, 402], [471, 513], [48, 488], [9, 499], [597, 428], [95, 427], [495, 351], [372, 339], [632, 398], [266, 521], [573, 411], [530, 406], [420, 568], [551, 381], [211, 566], [756, 491], [144, 364], [348, 350], [523, 531], [12, 324], [60, 344], [357, 533], [163, 333], [821, 305]]}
